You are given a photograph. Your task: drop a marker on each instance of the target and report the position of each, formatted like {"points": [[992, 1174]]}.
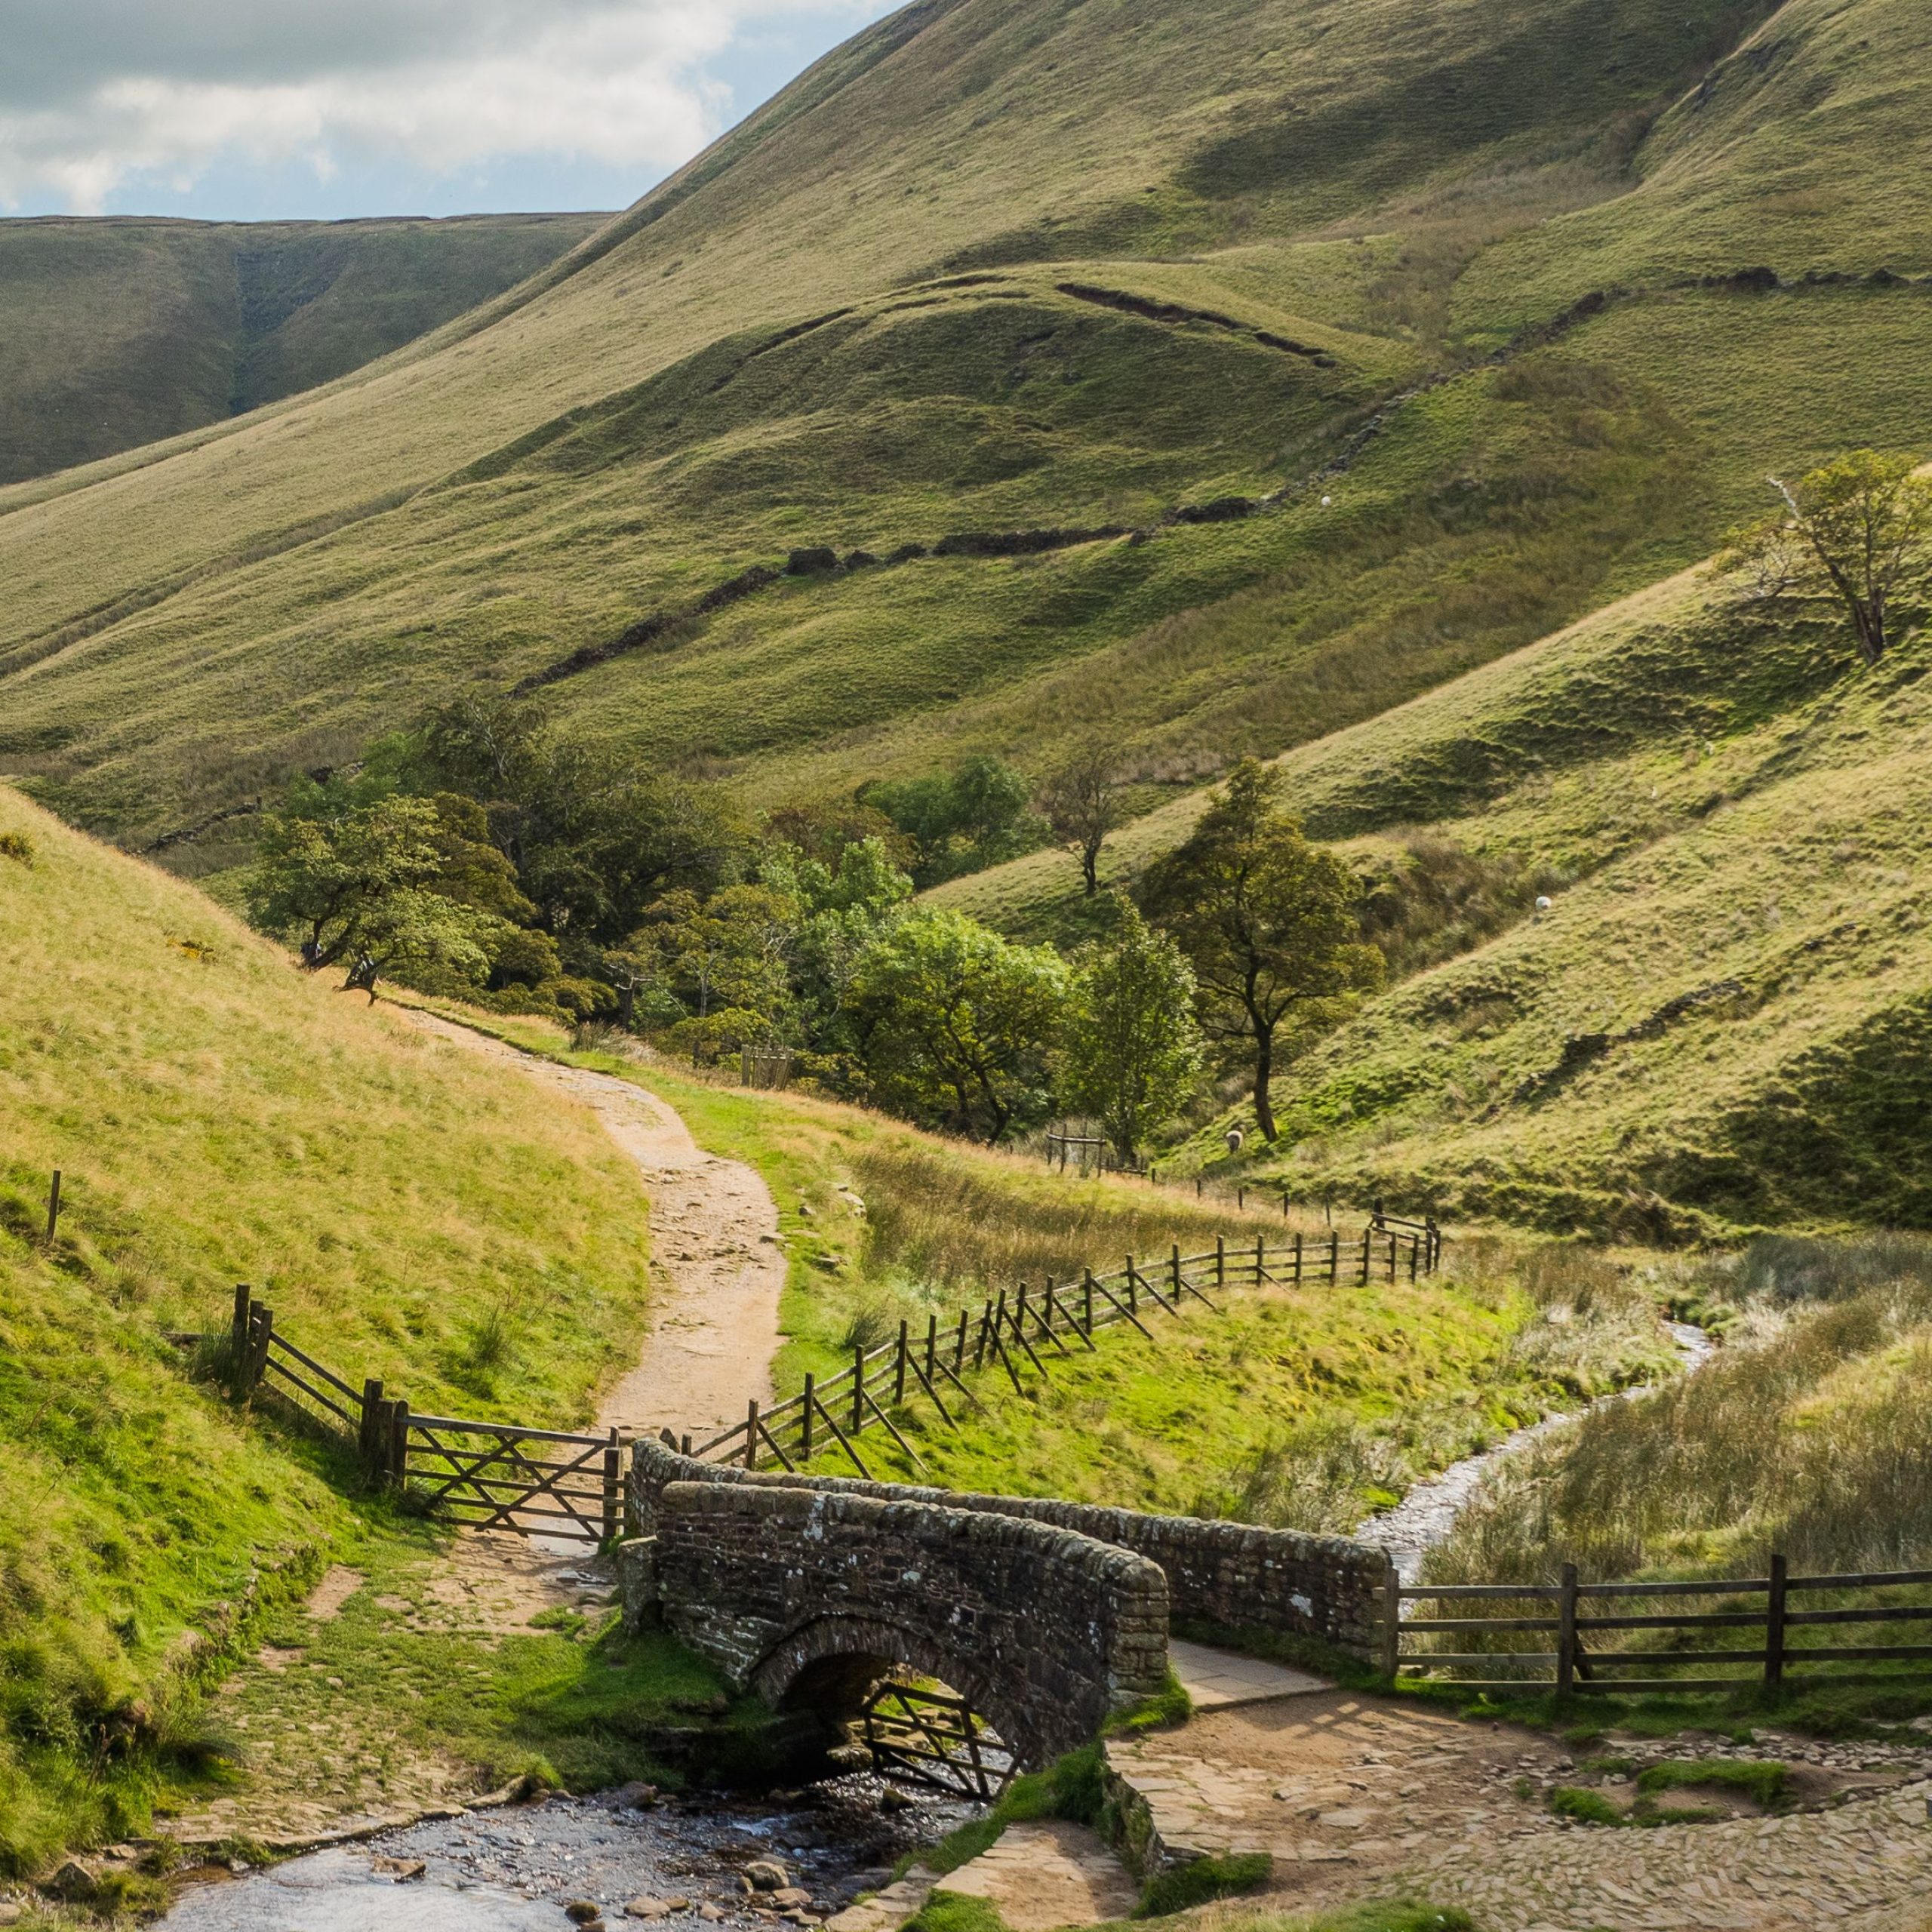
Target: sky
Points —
{"points": [[246, 110]]}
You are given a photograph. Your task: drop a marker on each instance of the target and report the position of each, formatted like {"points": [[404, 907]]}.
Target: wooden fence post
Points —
{"points": [[858, 1388], [1220, 1261], [1566, 1634], [261, 1333], [1334, 1257], [1415, 1255], [1132, 1287], [1086, 1301], [613, 1486], [932, 1349], [959, 1346], [1774, 1616], [1173, 1268], [368, 1440], [1260, 1260], [684, 1445], [751, 1435], [1367, 1237], [54, 1207], [805, 1426], [979, 1349], [1298, 1261], [899, 1370], [1240, 1199], [238, 1349], [1392, 1621]]}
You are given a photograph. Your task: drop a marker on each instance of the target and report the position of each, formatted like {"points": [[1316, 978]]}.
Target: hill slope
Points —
{"points": [[1722, 1022], [219, 1118], [1065, 269], [120, 332]]}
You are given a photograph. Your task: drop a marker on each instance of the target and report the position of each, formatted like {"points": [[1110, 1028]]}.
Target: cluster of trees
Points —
{"points": [[488, 855]]}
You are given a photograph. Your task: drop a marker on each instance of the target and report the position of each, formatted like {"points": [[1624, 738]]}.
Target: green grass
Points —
{"points": [[219, 1118], [1308, 1409], [1202, 1881], [1763, 1783], [122, 332], [187, 626], [400, 1676]]}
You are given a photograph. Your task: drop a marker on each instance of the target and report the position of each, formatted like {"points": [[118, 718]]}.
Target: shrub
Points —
{"points": [[16, 846]]}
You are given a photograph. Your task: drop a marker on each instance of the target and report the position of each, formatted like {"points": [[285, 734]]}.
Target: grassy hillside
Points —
{"points": [[120, 332], [1720, 1023], [220, 1117], [1070, 269]]}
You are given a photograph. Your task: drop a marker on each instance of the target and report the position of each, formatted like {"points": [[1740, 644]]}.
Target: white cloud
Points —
{"points": [[94, 93]]}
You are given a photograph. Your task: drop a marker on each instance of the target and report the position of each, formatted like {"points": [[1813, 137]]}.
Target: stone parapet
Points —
{"points": [[1327, 1589]]}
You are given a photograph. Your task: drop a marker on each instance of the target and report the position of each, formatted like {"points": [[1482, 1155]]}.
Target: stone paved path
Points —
{"points": [[1218, 1679], [1357, 1797], [1039, 1877]]}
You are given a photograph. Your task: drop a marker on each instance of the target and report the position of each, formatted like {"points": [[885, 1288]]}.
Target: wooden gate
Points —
{"points": [[490, 1475], [936, 1739], [485, 1475]]}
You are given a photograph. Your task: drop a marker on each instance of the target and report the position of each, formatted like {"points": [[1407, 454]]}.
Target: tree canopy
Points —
{"points": [[1267, 921], [1857, 531], [1133, 1053], [957, 1026]]}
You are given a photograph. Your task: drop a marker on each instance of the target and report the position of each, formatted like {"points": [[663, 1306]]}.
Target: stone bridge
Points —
{"points": [[1047, 1616]]}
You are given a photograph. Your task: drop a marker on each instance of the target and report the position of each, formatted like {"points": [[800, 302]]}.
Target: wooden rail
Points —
{"points": [[1568, 1612], [481, 1474], [1019, 1334]]}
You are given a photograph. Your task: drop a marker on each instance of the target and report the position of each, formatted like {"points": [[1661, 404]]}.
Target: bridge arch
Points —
{"points": [[829, 1663], [795, 1592]]}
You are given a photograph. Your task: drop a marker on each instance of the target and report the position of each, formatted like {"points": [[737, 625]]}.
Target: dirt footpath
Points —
{"points": [[716, 1254]]}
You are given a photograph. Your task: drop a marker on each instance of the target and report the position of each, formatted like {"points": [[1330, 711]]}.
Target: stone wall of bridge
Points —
{"points": [[1325, 1588], [807, 1596]]}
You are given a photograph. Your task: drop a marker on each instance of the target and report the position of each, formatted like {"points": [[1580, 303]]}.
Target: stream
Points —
{"points": [[515, 1869], [1425, 1516], [680, 1860]]}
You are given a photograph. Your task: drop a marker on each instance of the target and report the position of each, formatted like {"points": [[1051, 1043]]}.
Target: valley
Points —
{"points": [[1101, 885]]}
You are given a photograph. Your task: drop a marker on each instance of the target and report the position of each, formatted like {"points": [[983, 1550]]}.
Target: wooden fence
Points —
{"points": [[1577, 1615], [1024, 1331], [482, 1474]]}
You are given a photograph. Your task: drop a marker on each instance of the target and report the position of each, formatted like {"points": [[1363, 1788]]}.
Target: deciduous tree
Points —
{"points": [[368, 885], [957, 1026], [1857, 531], [1267, 921], [1133, 1048], [1084, 802]]}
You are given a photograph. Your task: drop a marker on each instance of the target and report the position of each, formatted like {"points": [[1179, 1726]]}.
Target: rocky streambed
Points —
{"points": [[690, 1863], [1425, 1516]]}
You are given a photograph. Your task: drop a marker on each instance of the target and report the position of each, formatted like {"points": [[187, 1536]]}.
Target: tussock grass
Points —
{"points": [[1807, 1433], [963, 1226]]}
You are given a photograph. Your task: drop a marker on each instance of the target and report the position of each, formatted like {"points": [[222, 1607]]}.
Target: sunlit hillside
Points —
{"points": [[1096, 304]]}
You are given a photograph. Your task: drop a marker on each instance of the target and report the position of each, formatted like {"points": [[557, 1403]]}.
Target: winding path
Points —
{"points": [[716, 1252]]}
